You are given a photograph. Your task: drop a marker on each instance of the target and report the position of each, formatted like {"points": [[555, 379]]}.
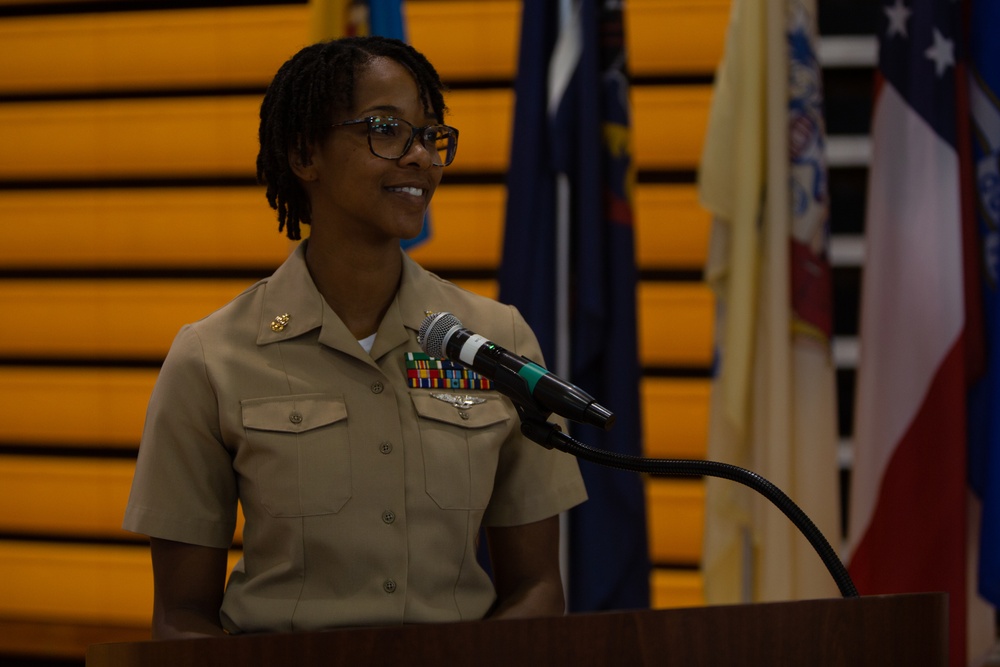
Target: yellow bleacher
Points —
{"points": [[213, 136], [68, 575], [137, 318], [154, 227], [240, 46]]}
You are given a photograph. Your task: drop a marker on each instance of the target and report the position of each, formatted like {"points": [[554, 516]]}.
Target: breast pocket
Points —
{"points": [[461, 449], [302, 453]]}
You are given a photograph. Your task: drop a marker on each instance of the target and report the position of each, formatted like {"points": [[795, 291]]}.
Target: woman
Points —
{"points": [[363, 492]]}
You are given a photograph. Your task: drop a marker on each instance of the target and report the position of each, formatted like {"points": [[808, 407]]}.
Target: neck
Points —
{"points": [[358, 285]]}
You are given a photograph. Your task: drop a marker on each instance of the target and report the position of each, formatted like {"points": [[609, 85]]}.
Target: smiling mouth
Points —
{"points": [[416, 192]]}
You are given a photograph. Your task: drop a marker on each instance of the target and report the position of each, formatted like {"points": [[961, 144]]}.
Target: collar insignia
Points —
{"points": [[279, 322]]}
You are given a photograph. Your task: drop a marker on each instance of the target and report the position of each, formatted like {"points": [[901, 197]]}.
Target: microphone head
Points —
{"points": [[434, 332]]}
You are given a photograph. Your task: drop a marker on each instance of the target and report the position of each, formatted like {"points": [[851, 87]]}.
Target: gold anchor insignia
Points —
{"points": [[278, 323], [461, 402]]}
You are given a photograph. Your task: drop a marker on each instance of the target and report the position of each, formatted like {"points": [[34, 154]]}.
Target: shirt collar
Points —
{"points": [[292, 306]]}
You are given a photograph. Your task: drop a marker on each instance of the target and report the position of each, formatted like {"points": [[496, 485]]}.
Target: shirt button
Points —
{"points": [[389, 586], [295, 417], [463, 414], [388, 516], [385, 447], [377, 387]]}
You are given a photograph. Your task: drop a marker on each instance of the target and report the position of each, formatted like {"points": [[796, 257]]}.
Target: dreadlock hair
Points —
{"points": [[300, 102]]}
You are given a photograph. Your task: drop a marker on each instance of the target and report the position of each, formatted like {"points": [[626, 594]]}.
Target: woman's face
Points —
{"points": [[355, 194]]}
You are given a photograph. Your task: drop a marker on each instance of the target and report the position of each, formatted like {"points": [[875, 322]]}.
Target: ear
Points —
{"points": [[302, 164]]}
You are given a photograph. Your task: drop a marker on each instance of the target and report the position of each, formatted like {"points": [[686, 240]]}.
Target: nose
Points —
{"points": [[418, 153]]}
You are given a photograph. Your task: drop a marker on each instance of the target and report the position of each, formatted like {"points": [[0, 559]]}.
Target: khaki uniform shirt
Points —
{"points": [[363, 497]]}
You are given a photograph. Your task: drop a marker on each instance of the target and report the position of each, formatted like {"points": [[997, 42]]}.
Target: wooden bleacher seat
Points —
{"points": [[243, 46], [211, 137], [154, 228], [68, 408], [137, 318], [86, 409], [676, 519]]}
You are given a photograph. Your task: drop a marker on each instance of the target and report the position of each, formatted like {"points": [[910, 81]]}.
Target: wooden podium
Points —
{"points": [[907, 630]]}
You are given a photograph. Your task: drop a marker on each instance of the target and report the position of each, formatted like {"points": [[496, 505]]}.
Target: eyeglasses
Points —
{"points": [[391, 138]]}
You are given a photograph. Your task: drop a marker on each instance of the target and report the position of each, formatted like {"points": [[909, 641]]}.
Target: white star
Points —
{"points": [[942, 53], [898, 15]]}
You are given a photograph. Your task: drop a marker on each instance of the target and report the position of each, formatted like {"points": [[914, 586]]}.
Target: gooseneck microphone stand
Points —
{"points": [[535, 426]]}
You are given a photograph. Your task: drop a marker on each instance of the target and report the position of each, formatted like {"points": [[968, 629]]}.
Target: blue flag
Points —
{"points": [[386, 18], [984, 417], [571, 135]]}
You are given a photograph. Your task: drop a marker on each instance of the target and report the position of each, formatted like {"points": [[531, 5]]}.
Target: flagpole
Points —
{"points": [[560, 72], [559, 76], [563, 340]]}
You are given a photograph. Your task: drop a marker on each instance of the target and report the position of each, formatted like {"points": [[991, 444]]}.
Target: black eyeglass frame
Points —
{"points": [[414, 131]]}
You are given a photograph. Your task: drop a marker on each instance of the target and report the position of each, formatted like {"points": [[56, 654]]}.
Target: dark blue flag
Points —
{"points": [[984, 417], [571, 136], [386, 18]]}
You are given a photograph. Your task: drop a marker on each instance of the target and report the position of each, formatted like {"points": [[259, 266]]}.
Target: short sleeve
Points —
{"points": [[184, 487], [532, 482]]}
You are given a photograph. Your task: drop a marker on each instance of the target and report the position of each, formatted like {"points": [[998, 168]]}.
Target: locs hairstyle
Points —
{"points": [[300, 104]]}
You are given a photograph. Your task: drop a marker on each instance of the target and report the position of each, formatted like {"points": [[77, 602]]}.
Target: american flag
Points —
{"points": [[908, 494]]}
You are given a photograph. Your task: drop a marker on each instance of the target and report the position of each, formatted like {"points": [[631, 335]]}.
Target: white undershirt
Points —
{"points": [[367, 343]]}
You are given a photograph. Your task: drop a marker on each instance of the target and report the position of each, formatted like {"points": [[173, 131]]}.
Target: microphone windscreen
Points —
{"points": [[433, 332]]}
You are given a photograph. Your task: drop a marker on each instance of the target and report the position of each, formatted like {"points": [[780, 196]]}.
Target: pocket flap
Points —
{"points": [[292, 414]]}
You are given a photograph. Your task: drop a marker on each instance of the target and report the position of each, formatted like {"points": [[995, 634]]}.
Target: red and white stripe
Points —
{"points": [[907, 505]]}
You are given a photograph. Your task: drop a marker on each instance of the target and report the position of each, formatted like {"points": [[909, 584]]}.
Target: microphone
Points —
{"points": [[520, 379]]}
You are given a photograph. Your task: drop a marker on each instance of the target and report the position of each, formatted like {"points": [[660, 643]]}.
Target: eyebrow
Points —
{"points": [[387, 109]]}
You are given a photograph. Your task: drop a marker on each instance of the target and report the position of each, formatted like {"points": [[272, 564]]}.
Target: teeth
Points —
{"points": [[417, 192]]}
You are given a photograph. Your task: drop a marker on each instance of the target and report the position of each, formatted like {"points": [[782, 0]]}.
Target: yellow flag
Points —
{"points": [[773, 405]]}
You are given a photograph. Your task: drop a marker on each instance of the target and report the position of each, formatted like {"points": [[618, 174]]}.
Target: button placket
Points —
{"points": [[388, 517]]}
